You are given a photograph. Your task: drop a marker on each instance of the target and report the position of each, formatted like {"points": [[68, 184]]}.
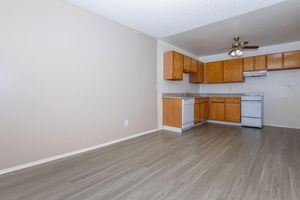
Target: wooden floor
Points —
{"points": [[212, 162]]}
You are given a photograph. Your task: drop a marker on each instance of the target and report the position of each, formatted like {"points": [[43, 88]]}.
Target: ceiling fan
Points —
{"points": [[237, 47]]}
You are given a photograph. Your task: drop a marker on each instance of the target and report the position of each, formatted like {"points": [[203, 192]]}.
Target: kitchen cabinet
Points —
{"points": [[214, 72], [197, 111], [173, 65], [204, 110], [274, 61], [291, 59], [248, 64], [201, 110], [217, 109], [198, 77], [255, 63], [172, 112], [260, 62], [233, 110], [233, 70], [186, 64], [194, 64]]}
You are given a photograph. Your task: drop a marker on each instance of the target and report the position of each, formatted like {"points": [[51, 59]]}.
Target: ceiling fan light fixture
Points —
{"points": [[238, 53], [233, 54]]}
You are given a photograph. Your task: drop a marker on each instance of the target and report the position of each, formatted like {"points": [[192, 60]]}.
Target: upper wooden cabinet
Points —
{"points": [[274, 61], [194, 64], [173, 65], [186, 64], [254, 63], [198, 77], [248, 64], [291, 59], [260, 62], [214, 72], [233, 70]]}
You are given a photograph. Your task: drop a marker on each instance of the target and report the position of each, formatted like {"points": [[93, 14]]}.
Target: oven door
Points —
{"points": [[251, 108]]}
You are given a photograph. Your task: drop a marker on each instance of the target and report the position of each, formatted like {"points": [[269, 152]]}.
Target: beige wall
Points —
{"points": [[69, 79], [281, 88]]}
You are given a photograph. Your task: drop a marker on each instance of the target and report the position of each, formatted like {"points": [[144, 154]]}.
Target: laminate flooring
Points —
{"points": [[211, 162]]}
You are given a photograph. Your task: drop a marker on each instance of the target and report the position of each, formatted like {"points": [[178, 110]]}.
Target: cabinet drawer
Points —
{"points": [[203, 100], [197, 100], [233, 100], [213, 100]]}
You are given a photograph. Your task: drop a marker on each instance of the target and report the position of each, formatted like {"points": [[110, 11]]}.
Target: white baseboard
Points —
{"points": [[173, 129], [222, 122], [38, 162]]}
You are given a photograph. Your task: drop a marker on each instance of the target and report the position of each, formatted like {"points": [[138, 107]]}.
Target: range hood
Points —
{"points": [[255, 73]]}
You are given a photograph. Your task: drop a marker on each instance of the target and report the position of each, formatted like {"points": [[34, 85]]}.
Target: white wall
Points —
{"points": [[69, 79], [164, 86], [281, 88]]}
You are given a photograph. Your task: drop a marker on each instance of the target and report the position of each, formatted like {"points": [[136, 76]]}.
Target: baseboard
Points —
{"points": [[38, 162], [173, 129], [223, 122]]}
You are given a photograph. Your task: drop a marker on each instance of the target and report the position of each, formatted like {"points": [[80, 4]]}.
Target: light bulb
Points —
{"points": [[233, 53], [239, 52]]}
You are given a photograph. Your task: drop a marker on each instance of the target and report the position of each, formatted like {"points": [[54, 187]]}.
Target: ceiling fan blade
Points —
{"points": [[250, 47], [244, 43]]}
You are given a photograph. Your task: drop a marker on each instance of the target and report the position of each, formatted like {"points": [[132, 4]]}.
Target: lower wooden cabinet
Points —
{"points": [[172, 112], [201, 110], [233, 110], [217, 109], [225, 109], [197, 112], [204, 110]]}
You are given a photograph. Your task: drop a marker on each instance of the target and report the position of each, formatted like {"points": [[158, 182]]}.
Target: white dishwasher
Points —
{"points": [[187, 113], [252, 110]]}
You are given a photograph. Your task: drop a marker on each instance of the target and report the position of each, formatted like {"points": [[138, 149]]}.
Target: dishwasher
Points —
{"points": [[187, 113]]}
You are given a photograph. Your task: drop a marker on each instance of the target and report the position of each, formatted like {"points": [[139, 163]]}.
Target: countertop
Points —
{"points": [[202, 95]]}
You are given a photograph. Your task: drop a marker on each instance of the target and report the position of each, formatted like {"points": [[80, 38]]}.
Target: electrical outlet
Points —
{"points": [[126, 123]]}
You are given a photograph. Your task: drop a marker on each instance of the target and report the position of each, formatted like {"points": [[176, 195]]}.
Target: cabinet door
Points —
{"points": [[172, 112], [196, 113], [187, 64], [233, 70], [173, 66], [194, 65], [248, 64], [178, 66], [260, 62], [292, 59], [274, 61], [216, 111], [203, 111], [214, 72], [198, 77], [206, 111], [233, 112]]}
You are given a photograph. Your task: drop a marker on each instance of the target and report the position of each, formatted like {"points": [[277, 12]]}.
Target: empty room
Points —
{"points": [[149, 100]]}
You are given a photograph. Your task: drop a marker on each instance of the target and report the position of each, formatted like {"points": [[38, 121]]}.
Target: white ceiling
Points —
{"points": [[268, 26], [161, 18]]}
